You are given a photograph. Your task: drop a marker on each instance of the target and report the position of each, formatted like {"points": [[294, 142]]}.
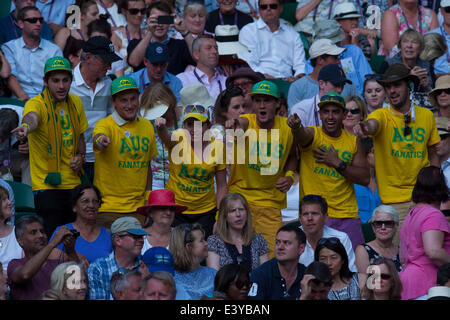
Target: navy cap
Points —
{"points": [[334, 74], [157, 52], [101, 46]]}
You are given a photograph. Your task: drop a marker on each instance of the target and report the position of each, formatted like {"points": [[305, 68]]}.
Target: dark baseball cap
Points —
{"points": [[157, 52], [102, 47], [334, 74]]}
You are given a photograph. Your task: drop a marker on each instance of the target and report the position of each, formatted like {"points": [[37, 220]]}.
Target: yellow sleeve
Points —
{"points": [[81, 114], [37, 106], [379, 116], [101, 127]]}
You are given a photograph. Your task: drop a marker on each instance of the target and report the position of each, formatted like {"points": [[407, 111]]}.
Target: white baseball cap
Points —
{"points": [[324, 46], [445, 3]]}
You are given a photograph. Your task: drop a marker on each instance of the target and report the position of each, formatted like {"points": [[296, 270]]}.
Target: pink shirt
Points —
{"points": [[216, 86], [419, 273]]}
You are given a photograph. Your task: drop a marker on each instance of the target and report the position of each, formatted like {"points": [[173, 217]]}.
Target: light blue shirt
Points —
{"points": [[354, 64], [446, 170], [441, 63], [27, 65], [54, 10], [142, 80]]}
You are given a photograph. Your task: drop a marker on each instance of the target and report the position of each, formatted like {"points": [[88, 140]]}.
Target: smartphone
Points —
{"points": [[165, 20]]}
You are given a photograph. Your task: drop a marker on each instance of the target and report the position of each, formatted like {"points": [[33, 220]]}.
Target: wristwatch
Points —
{"points": [[342, 166]]}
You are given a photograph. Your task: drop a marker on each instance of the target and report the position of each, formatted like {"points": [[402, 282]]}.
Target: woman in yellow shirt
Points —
{"points": [[195, 160]]}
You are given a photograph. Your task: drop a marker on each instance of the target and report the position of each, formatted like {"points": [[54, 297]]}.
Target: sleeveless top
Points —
{"points": [[375, 255]]}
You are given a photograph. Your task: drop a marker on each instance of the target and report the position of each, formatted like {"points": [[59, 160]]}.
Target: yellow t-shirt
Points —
{"points": [[398, 159], [254, 179], [190, 178], [325, 181], [38, 143], [121, 169]]}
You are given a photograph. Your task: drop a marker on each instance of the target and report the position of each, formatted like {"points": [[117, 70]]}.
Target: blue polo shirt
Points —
{"points": [[142, 81], [9, 30], [269, 285]]}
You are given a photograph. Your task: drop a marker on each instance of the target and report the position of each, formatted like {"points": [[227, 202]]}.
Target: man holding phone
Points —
{"points": [[159, 15]]}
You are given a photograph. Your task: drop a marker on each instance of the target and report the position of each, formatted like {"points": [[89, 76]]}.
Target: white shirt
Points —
{"points": [[308, 255], [215, 87], [97, 104], [116, 19], [275, 53], [308, 111]]}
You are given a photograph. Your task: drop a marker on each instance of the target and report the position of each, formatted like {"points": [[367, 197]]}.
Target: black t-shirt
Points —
{"points": [[179, 55], [213, 20]]}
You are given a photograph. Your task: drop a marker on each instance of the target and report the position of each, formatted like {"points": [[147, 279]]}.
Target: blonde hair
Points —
{"points": [[60, 275], [412, 35], [360, 103], [181, 236], [434, 46], [159, 93], [222, 223]]}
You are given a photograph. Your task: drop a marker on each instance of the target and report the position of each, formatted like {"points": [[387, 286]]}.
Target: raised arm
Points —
{"points": [[303, 11], [303, 136], [389, 30]]}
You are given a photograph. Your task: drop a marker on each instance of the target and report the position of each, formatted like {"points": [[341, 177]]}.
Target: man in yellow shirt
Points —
{"points": [[54, 122], [124, 145], [331, 162], [404, 138], [270, 161]]}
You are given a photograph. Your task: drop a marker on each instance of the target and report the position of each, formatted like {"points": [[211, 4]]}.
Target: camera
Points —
{"points": [[75, 233]]}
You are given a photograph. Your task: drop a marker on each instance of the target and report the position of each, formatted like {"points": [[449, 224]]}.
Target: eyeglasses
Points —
{"points": [[371, 76], [439, 91], [272, 6], [134, 236], [447, 9], [194, 108], [407, 130], [354, 111], [135, 11], [332, 241], [34, 20], [240, 284], [387, 224], [86, 202]]}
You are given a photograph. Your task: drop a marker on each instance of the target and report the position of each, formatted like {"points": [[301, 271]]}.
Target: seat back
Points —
{"points": [[23, 196]]}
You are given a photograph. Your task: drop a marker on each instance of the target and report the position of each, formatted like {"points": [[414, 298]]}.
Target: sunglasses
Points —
{"points": [[240, 284], [34, 20], [447, 9], [371, 76], [385, 276], [272, 6], [447, 91], [332, 241], [194, 108], [134, 236], [354, 111], [135, 11], [407, 130], [387, 224]]}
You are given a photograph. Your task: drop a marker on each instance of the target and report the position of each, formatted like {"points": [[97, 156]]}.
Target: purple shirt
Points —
{"points": [[216, 86], [33, 289], [419, 273]]}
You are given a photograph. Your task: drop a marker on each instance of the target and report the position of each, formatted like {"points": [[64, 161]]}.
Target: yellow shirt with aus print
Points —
{"points": [[256, 178], [398, 159], [323, 180], [38, 143], [191, 178], [121, 169]]}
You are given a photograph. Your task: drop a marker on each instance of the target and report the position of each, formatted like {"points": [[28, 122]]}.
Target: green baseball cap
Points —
{"points": [[265, 87], [57, 63], [334, 98], [123, 83]]}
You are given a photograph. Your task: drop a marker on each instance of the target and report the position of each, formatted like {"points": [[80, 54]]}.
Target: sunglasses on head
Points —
{"points": [[332, 241], [194, 108], [447, 91], [272, 6], [318, 282], [387, 224], [240, 284], [34, 20], [354, 111], [447, 9], [134, 11], [407, 130], [371, 76]]}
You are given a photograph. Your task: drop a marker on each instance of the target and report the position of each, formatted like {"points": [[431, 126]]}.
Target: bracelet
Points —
{"points": [[97, 141], [24, 124], [291, 174]]}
